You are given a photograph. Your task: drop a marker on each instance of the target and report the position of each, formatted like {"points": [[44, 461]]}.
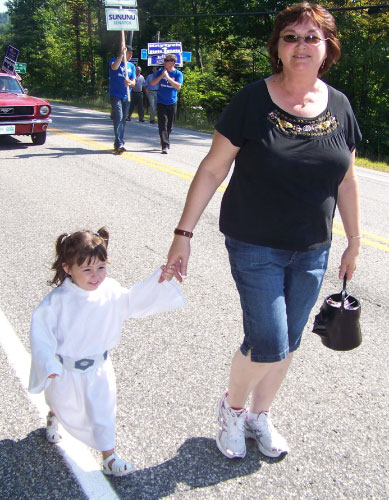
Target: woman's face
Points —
{"points": [[302, 56]]}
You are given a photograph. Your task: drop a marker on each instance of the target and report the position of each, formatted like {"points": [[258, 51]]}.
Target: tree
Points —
{"points": [[67, 48]]}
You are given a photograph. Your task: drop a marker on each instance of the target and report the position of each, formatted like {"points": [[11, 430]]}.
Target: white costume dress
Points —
{"points": [[73, 325]]}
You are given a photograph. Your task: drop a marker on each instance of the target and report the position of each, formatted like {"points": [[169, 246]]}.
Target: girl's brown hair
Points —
{"points": [[77, 248], [299, 13]]}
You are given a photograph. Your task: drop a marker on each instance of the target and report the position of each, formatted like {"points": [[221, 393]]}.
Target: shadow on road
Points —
{"points": [[32, 469], [57, 153], [198, 464]]}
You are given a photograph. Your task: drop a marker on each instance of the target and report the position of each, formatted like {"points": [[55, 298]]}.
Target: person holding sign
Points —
{"points": [[121, 80], [170, 81]]}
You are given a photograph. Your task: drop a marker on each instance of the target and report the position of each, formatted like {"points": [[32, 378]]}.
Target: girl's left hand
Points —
{"points": [[167, 272]]}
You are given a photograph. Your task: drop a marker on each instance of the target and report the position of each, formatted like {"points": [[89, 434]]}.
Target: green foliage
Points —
{"points": [[362, 74], [67, 48]]}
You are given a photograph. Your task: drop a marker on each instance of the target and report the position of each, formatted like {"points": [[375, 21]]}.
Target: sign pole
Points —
{"points": [[125, 64]]}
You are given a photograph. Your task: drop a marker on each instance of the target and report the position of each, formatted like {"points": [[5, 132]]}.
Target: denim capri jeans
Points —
{"points": [[277, 290]]}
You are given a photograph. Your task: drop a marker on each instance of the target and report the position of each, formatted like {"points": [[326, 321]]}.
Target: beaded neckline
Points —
{"points": [[320, 126]]}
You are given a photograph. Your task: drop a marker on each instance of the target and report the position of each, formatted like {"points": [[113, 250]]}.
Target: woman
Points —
{"points": [[293, 140]]}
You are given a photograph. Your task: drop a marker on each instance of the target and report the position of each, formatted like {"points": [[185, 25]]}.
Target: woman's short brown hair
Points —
{"points": [[299, 13]]}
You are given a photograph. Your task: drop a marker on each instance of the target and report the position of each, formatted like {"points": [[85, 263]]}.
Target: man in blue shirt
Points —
{"points": [[170, 81], [118, 85]]}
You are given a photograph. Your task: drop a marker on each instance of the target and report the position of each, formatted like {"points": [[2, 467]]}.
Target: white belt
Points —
{"points": [[83, 364]]}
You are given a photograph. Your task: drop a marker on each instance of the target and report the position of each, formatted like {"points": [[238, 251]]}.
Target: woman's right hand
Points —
{"points": [[53, 375], [178, 257]]}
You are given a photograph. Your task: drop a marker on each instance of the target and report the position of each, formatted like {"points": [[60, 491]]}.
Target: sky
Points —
{"points": [[2, 6]]}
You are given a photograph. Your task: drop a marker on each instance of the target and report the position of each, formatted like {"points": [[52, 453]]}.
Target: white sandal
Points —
{"points": [[118, 468], [52, 432]]}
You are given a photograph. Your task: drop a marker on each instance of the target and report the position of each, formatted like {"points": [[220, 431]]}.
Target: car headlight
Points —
{"points": [[44, 110]]}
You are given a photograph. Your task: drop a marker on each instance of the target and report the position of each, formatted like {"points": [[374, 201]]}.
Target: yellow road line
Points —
{"points": [[129, 156], [369, 239], [365, 238]]}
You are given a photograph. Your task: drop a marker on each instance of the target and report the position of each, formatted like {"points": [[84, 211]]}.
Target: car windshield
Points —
{"points": [[8, 84]]}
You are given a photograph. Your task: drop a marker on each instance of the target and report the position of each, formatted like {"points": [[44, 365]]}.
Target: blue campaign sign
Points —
{"points": [[187, 56], [164, 48], [8, 66], [12, 53], [157, 59], [143, 54]]}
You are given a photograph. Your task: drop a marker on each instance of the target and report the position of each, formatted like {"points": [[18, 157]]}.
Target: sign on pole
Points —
{"points": [[21, 67], [122, 19], [8, 66], [12, 53], [143, 54], [157, 59], [10, 60], [164, 48], [187, 56], [120, 3]]}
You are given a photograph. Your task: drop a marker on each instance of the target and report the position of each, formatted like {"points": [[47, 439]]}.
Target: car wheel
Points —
{"points": [[38, 138]]}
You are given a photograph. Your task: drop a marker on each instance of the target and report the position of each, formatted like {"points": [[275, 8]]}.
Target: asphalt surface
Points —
{"points": [[172, 368]]}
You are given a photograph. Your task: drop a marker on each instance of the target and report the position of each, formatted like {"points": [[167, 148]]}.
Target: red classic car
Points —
{"points": [[21, 114]]}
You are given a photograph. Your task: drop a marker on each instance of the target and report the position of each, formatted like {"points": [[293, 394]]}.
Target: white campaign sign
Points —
{"points": [[122, 19], [120, 3]]}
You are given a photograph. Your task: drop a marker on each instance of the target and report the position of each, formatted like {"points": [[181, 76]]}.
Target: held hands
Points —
{"points": [[177, 261]]}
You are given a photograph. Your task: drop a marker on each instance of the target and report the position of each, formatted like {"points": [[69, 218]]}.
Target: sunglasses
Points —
{"points": [[169, 60], [309, 39]]}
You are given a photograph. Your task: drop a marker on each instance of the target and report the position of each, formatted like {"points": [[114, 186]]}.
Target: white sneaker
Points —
{"points": [[269, 441], [230, 438]]}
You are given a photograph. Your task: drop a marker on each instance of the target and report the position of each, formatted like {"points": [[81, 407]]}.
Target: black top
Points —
{"points": [[283, 191]]}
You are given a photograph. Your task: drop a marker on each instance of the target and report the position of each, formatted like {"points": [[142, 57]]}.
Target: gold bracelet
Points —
{"points": [[354, 237]]}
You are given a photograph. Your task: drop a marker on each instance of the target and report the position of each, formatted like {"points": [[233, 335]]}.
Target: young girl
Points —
{"points": [[73, 329]]}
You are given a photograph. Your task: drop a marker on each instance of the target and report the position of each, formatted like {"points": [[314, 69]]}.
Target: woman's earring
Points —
{"points": [[279, 62], [323, 63]]}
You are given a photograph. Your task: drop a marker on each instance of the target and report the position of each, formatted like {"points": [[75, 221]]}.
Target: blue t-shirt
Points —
{"points": [[148, 84], [166, 93], [117, 87]]}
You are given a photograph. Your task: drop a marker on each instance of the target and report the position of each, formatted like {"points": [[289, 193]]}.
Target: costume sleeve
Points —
{"points": [[150, 297], [43, 347]]}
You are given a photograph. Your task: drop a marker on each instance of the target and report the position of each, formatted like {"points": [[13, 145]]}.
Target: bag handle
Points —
{"points": [[344, 291]]}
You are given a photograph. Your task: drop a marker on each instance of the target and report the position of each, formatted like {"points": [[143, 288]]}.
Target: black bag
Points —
{"points": [[338, 321]]}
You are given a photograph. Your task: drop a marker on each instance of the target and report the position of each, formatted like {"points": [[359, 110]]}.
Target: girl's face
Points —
{"points": [[87, 276], [302, 56]]}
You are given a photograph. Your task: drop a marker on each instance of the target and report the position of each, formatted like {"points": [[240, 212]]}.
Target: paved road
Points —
{"points": [[172, 368]]}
